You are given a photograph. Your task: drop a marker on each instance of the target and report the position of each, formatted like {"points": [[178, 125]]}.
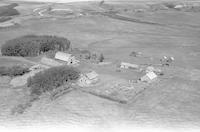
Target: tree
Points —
{"points": [[101, 58]]}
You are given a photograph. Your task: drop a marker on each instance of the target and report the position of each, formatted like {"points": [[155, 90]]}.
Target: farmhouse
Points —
{"points": [[88, 78], [148, 77], [68, 58], [128, 66]]}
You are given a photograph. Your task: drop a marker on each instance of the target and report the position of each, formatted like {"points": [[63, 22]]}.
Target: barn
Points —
{"points": [[68, 58]]}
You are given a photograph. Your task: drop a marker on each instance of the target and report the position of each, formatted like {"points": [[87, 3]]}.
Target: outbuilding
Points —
{"points": [[50, 62], [128, 65], [88, 78], [68, 58]]}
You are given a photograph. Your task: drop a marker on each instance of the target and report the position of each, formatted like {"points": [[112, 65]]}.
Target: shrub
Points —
{"points": [[32, 45], [51, 79], [13, 71]]}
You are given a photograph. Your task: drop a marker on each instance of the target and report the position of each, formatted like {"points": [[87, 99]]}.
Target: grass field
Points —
{"points": [[173, 101]]}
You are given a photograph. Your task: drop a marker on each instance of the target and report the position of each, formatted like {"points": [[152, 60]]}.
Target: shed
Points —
{"points": [[128, 65], [50, 62], [148, 77], [88, 78], [92, 75], [66, 57]]}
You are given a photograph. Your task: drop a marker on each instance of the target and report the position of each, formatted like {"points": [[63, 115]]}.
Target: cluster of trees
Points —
{"points": [[51, 79], [9, 10], [32, 45], [95, 57], [13, 71]]}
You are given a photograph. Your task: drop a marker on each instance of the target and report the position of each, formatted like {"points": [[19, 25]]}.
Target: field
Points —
{"points": [[171, 101]]}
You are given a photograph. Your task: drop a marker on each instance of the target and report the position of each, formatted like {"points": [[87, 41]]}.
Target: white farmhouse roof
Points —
{"points": [[91, 75], [63, 56], [129, 65], [151, 75]]}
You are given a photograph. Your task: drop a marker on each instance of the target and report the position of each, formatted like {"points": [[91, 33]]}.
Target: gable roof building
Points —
{"points": [[148, 77], [88, 78], [91, 75], [128, 65], [66, 57], [63, 56]]}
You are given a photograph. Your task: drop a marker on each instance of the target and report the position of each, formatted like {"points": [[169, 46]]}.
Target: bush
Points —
{"points": [[9, 10], [51, 79], [13, 71], [32, 45]]}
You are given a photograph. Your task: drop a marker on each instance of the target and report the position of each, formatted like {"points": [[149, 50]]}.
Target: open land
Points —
{"points": [[115, 29]]}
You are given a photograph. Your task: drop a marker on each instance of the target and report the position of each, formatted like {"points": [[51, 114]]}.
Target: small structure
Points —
{"points": [[148, 77], [152, 69], [68, 58], [128, 65], [136, 54], [88, 78], [179, 6], [166, 60], [50, 62]]}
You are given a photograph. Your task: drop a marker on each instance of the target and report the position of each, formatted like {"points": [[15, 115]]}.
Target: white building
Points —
{"points": [[148, 77], [50, 62], [66, 57], [128, 65], [179, 6], [88, 78]]}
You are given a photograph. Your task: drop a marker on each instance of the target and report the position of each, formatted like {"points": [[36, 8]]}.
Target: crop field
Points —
{"points": [[115, 29]]}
